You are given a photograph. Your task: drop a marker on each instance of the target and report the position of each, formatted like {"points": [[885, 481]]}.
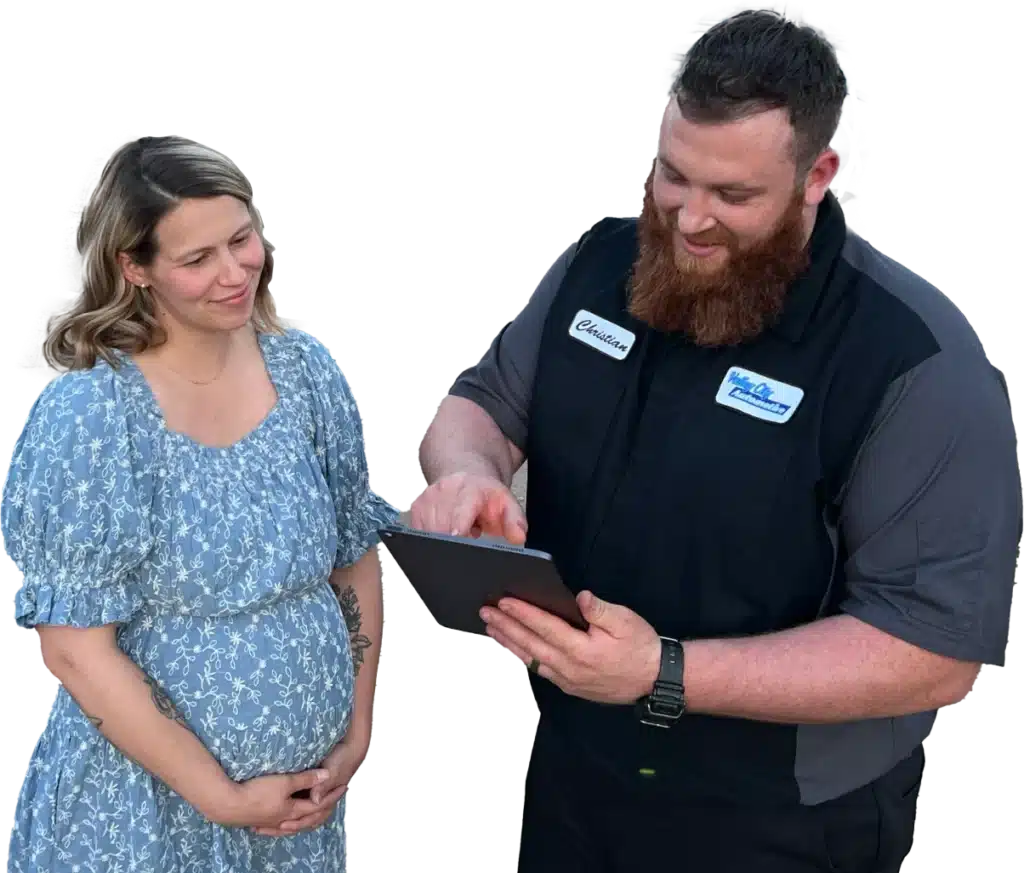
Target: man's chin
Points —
{"points": [[704, 267]]}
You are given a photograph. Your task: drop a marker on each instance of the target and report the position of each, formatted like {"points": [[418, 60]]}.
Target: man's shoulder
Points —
{"points": [[607, 229], [607, 245], [901, 295]]}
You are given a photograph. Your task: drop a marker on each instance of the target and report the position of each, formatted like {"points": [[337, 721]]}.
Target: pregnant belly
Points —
{"points": [[266, 692]]}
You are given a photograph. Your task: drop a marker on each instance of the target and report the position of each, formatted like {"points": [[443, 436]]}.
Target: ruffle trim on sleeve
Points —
{"points": [[39, 601], [359, 532]]}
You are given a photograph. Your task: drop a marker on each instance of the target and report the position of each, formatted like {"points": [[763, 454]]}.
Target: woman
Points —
{"points": [[189, 505]]}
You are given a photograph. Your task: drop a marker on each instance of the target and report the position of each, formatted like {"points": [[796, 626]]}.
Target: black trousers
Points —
{"points": [[574, 823]]}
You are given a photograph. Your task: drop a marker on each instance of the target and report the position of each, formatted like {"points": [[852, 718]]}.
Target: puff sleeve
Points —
{"points": [[74, 512], [339, 444]]}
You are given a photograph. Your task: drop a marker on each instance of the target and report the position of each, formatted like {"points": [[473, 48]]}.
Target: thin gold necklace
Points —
{"points": [[199, 382]]}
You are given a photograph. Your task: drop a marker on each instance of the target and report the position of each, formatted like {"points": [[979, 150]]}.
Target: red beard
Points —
{"points": [[723, 307]]}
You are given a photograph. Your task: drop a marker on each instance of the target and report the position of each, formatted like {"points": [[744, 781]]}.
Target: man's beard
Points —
{"points": [[720, 307]]}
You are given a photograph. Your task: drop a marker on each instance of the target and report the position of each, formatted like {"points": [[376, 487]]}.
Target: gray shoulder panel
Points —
{"points": [[940, 315]]}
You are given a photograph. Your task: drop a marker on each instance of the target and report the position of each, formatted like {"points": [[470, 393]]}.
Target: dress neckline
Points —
{"points": [[155, 413]]}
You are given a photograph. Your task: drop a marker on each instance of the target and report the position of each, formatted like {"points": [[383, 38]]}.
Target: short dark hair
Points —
{"points": [[759, 60]]}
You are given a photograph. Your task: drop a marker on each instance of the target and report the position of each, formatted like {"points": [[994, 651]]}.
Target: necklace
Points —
{"points": [[198, 382]]}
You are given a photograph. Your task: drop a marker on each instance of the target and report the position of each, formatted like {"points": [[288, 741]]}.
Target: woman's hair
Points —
{"points": [[141, 183]]}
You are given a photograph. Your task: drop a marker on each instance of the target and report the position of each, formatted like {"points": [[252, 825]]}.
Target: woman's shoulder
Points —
{"points": [[91, 399], [311, 356], [299, 343]]}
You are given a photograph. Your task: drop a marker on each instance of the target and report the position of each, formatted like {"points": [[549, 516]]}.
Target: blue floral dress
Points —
{"points": [[215, 563]]}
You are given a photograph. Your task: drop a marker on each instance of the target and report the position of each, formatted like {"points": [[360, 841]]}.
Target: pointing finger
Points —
{"points": [[466, 511]]}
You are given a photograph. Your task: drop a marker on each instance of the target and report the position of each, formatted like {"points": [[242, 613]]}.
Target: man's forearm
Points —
{"points": [[834, 670], [137, 716], [463, 438], [359, 592]]}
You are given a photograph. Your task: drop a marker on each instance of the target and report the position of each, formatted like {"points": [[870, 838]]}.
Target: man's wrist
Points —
{"points": [[650, 667], [470, 464]]}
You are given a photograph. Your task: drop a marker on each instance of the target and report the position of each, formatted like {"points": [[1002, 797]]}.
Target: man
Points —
{"points": [[749, 431]]}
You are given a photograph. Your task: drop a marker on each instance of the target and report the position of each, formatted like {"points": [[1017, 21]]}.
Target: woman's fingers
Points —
{"points": [[308, 821]]}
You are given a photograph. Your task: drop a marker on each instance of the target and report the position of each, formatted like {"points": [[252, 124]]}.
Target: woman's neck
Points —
{"points": [[199, 356]]}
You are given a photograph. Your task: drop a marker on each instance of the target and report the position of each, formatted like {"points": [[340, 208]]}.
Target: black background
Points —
{"points": [[417, 172]]}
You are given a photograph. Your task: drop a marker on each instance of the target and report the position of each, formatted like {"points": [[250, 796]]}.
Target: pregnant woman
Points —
{"points": [[189, 506]]}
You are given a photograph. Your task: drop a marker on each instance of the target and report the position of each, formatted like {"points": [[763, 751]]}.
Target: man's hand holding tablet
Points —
{"points": [[589, 648]]}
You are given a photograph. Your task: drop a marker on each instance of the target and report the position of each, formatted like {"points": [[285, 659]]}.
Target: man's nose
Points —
{"points": [[692, 218]]}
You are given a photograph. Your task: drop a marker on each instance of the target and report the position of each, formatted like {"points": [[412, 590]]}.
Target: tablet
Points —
{"points": [[456, 576]]}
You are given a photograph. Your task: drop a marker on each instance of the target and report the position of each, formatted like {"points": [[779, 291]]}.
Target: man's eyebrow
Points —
{"points": [[733, 187], [193, 252]]}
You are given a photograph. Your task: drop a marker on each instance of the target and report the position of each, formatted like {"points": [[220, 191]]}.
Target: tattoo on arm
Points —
{"points": [[165, 706], [354, 620]]}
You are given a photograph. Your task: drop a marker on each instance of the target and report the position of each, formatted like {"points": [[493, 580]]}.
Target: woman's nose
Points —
{"points": [[232, 272]]}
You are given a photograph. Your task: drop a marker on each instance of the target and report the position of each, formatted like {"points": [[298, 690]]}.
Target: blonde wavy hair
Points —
{"points": [[142, 182]]}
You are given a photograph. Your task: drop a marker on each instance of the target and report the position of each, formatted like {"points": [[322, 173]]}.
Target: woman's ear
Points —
{"points": [[132, 272]]}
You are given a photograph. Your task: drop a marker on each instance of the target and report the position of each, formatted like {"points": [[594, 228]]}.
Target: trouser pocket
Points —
{"points": [[870, 830]]}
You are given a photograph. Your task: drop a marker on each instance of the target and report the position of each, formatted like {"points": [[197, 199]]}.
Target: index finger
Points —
{"points": [[468, 504], [296, 808], [548, 627]]}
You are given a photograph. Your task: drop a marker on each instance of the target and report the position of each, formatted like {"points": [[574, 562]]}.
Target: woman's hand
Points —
{"points": [[268, 800], [341, 765]]}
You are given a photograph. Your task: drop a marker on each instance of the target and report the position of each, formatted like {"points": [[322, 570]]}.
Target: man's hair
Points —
{"points": [[758, 60]]}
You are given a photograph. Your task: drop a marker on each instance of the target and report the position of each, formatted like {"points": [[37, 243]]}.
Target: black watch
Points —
{"points": [[665, 705]]}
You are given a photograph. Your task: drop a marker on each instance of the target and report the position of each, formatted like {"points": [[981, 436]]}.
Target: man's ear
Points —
{"points": [[820, 176], [132, 272]]}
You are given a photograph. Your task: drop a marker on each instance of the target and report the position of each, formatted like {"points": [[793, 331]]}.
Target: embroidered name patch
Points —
{"points": [[601, 334], [759, 396]]}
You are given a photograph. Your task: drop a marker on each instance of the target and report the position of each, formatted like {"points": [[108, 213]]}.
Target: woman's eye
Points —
{"points": [[237, 241]]}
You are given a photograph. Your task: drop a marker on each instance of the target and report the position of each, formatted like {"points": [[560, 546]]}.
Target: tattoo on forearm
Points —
{"points": [[359, 642], [165, 706]]}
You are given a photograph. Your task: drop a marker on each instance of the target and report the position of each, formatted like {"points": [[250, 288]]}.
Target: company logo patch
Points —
{"points": [[601, 334], [759, 396]]}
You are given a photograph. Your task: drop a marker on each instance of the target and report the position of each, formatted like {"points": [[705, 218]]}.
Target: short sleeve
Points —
{"points": [[931, 517], [74, 519], [339, 444]]}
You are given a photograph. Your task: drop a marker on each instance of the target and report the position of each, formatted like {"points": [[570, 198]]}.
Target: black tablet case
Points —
{"points": [[456, 576]]}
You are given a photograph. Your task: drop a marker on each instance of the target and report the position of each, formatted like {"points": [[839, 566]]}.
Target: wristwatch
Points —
{"points": [[665, 705]]}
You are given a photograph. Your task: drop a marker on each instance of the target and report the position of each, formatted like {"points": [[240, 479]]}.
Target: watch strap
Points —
{"points": [[666, 703]]}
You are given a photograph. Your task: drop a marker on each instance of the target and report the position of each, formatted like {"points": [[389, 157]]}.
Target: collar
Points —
{"points": [[826, 244]]}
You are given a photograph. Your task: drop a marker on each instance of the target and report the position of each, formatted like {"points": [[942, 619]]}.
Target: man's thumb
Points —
{"points": [[594, 609]]}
